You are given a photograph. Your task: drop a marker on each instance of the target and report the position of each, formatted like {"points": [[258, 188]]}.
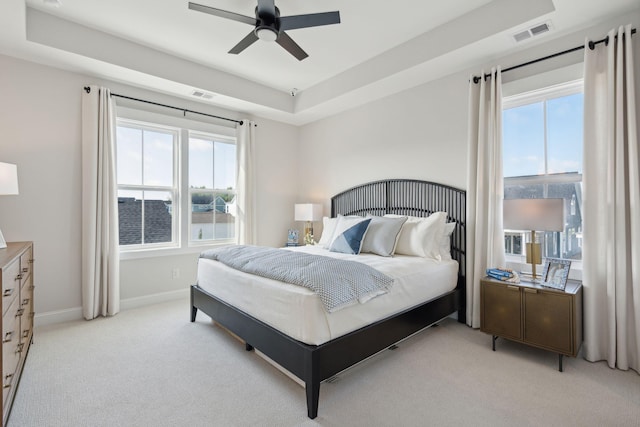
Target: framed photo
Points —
{"points": [[555, 273], [292, 237]]}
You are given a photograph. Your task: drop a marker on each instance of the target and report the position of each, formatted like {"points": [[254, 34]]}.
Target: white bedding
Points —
{"points": [[298, 312]]}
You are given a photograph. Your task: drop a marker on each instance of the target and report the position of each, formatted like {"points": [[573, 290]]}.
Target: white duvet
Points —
{"points": [[299, 313]]}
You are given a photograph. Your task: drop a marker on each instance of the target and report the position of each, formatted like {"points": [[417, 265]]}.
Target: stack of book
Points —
{"points": [[504, 274]]}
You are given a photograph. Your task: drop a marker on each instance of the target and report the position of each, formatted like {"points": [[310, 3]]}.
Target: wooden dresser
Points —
{"points": [[16, 263]]}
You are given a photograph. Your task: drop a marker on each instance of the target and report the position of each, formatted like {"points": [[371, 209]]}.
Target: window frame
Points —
{"points": [[219, 129], [214, 191], [518, 261], [174, 189]]}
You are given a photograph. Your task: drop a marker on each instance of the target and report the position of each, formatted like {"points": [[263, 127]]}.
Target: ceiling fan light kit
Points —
{"points": [[270, 26], [266, 34]]}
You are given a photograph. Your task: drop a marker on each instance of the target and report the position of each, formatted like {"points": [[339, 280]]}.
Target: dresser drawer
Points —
{"points": [[10, 284], [26, 263], [11, 346], [26, 304]]}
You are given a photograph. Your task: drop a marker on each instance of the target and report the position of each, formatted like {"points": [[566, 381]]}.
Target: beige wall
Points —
{"points": [[421, 133], [40, 110]]}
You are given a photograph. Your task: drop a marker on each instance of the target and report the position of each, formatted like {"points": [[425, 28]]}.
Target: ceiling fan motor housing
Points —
{"points": [[267, 26]]}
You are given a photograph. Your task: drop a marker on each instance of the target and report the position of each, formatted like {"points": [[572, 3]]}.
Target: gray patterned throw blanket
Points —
{"points": [[337, 282]]}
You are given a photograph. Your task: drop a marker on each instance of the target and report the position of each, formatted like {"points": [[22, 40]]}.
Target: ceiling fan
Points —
{"points": [[270, 26]]}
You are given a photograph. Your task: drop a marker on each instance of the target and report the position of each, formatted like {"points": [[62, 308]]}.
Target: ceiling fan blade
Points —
{"points": [[222, 13], [310, 20], [244, 43], [290, 46], [266, 6]]}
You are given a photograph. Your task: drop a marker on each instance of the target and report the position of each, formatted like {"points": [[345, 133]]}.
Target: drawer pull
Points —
{"points": [[513, 288], [7, 337], [25, 333], [18, 277], [25, 269], [25, 301], [7, 292], [7, 381], [20, 347], [20, 312], [531, 291]]}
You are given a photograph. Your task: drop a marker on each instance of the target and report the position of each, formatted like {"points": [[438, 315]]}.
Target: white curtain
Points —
{"points": [[100, 257], [611, 221], [246, 184], [485, 187]]}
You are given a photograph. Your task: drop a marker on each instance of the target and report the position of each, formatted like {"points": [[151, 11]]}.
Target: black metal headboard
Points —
{"points": [[409, 197]]}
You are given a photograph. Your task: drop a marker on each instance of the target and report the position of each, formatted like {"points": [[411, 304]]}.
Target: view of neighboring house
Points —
{"points": [[209, 221]]}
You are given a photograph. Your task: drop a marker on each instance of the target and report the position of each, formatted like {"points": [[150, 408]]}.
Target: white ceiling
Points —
{"points": [[379, 48]]}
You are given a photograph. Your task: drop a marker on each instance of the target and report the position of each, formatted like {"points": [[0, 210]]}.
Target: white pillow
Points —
{"points": [[382, 235], [349, 234], [328, 227], [445, 242], [421, 236]]}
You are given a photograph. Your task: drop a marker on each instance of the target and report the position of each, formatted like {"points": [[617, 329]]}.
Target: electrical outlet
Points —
{"points": [[175, 273]]}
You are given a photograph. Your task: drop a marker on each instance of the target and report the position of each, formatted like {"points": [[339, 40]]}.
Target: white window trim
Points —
{"points": [[174, 190], [153, 118], [208, 243]]}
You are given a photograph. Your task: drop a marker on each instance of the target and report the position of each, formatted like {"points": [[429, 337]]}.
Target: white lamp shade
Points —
{"points": [[8, 179], [534, 214], [308, 212]]}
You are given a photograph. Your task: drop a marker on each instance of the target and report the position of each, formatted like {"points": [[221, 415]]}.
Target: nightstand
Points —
{"points": [[532, 314]]}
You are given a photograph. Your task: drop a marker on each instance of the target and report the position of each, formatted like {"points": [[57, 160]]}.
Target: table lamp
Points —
{"points": [[534, 215], [8, 186], [308, 212]]}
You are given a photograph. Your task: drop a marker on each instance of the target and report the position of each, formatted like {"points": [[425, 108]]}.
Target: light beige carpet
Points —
{"points": [[152, 367]]}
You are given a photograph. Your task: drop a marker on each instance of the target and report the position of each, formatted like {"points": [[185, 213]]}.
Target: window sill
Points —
{"points": [[161, 252]]}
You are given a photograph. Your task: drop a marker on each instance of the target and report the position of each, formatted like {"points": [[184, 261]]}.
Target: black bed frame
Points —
{"points": [[316, 363]]}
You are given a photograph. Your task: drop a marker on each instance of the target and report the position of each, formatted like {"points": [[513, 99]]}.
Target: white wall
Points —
{"points": [[421, 133], [40, 110]]}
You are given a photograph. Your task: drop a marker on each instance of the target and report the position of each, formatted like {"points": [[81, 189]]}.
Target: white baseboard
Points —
{"points": [[71, 314], [129, 303]]}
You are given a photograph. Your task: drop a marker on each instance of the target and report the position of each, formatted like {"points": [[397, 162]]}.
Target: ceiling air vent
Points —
{"points": [[202, 94], [536, 30], [539, 29], [521, 36]]}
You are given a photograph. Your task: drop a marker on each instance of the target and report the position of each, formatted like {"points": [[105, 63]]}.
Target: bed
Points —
{"points": [[318, 356]]}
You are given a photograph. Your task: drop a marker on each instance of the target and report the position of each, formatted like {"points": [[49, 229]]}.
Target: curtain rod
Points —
{"points": [[592, 46], [184, 110]]}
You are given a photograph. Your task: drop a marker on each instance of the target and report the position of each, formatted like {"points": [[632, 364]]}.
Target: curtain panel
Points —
{"points": [[611, 182], [246, 184], [100, 256], [485, 187]]}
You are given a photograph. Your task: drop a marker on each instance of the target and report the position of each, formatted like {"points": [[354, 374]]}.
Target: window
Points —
{"points": [[542, 158], [212, 188], [147, 184], [173, 194]]}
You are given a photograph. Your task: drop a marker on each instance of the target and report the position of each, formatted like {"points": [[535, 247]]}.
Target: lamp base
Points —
{"points": [[308, 233], [534, 255]]}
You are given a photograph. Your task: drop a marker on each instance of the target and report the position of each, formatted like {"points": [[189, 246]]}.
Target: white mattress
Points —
{"points": [[299, 313]]}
